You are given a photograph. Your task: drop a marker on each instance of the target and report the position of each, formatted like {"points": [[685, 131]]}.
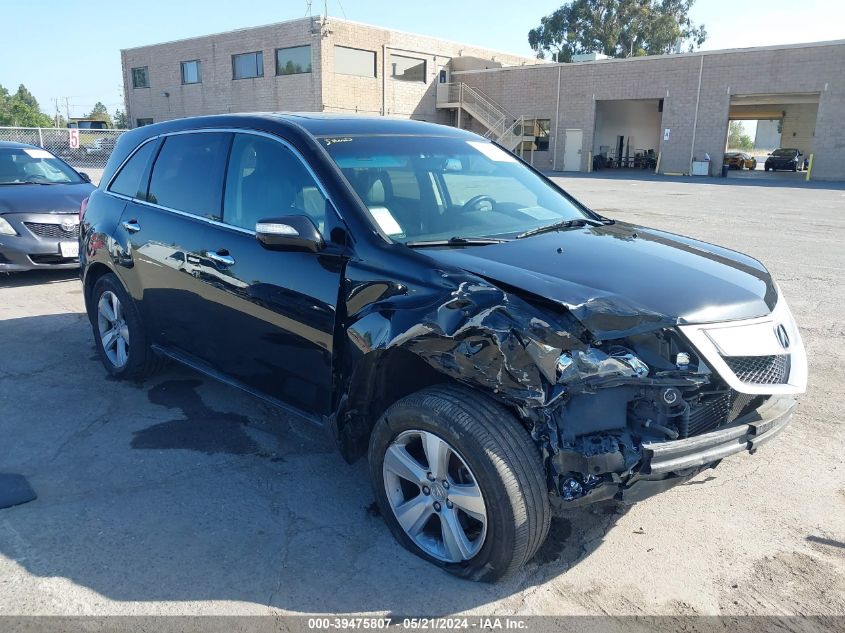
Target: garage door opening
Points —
{"points": [[771, 135], [627, 133]]}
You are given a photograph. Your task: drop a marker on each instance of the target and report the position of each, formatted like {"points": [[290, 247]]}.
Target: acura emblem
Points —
{"points": [[783, 337], [68, 225]]}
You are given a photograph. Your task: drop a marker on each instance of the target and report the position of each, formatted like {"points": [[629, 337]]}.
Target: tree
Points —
{"points": [[737, 138], [26, 97], [99, 113], [21, 109], [121, 121], [616, 28]]}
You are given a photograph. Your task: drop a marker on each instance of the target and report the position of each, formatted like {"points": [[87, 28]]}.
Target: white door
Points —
{"points": [[572, 150]]}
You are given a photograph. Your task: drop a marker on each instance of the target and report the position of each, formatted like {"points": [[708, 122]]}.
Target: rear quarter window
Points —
{"points": [[131, 180]]}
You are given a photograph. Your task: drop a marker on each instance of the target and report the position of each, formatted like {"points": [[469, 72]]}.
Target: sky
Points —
{"points": [[70, 49]]}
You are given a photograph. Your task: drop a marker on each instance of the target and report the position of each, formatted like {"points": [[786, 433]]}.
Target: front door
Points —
{"points": [[273, 311], [572, 150]]}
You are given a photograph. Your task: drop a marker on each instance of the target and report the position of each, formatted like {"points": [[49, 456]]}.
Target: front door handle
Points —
{"points": [[221, 257], [132, 226]]}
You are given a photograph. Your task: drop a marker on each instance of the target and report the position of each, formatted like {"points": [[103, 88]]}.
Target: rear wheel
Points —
{"points": [[118, 331], [460, 482]]}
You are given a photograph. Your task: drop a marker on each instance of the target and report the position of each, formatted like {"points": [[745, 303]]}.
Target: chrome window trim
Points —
{"points": [[760, 329], [285, 143]]}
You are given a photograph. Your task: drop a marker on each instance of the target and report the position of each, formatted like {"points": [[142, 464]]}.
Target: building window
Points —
{"points": [[354, 61], [143, 122], [248, 65], [407, 68], [191, 72], [293, 61], [541, 134], [140, 77]]}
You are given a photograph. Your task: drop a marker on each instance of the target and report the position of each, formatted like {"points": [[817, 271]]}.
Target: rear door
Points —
{"points": [[168, 229], [273, 312]]}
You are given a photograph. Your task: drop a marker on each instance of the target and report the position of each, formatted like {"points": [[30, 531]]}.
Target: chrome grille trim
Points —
{"points": [[720, 345], [52, 230]]}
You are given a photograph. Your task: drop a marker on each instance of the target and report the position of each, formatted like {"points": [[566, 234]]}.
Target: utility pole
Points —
{"points": [[67, 108]]}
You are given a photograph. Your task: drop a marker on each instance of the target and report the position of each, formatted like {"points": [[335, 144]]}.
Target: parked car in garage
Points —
{"points": [[740, 160], [785, 158], [495, 348], [40, 197]]}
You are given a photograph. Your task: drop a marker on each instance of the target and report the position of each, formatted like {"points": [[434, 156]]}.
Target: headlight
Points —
{"points": [[594, 363], [6, 228]]}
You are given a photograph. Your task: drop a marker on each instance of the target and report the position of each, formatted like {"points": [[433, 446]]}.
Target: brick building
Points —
{"points": [[312, 64], [560, 116]]}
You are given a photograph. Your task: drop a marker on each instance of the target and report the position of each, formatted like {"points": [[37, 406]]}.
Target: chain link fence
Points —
{"points": [[84, 150]]}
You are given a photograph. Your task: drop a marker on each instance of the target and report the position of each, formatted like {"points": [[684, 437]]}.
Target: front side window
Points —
{"points": [[265, 180], [293, 61], [407, 68], [34, 165], [191, 72], [140, 77], [354, 61], [132, 179], [248, 65], [435, 188], [188, 173]]}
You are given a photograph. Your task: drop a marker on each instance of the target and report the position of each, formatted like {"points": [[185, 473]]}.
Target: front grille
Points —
{"points": [[52, 259], [52, 230], [760, 370]]}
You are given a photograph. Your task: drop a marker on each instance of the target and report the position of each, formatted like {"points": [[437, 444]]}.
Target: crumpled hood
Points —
{"points": [[43, 198], [621, 279]]}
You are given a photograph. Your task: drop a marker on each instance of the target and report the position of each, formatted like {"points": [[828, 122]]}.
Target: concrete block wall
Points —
{"points": [[218, 92], [812, 68], [321, 90]]}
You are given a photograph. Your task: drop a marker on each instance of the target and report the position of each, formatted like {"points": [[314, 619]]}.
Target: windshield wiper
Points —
{"points": [[457, 241], [557, 226], [28, 182]]}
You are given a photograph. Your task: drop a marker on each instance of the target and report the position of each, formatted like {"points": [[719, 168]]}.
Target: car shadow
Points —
{"points": [[180, 489], [37, 277]]}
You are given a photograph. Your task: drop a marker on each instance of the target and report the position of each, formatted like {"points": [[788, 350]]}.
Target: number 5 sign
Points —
{"points": [[74, 138]]}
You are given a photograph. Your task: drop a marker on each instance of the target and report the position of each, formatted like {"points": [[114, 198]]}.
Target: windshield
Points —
{"points": [[21, 165], [785, 153], [434, 188]]}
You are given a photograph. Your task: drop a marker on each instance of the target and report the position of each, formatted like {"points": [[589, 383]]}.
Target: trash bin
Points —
{"points": [[725, 169]]}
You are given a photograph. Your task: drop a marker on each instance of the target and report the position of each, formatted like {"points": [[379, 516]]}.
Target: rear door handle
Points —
{"points": [[221, 257], [132, 226]]}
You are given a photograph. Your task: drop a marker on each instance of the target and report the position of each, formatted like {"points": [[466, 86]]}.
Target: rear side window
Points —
{"points": [[188, 173], [132, 179]]}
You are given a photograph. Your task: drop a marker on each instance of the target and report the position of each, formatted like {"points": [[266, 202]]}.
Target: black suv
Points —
{"points": [[495, 348], [786, 158]]}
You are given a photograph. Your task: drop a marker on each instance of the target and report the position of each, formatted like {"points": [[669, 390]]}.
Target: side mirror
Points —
{"points": [[289, 233], [84, 176]]}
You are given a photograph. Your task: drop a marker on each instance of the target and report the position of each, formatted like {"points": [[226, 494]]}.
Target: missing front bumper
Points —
{"points": [[667, 464], [746, 434]]}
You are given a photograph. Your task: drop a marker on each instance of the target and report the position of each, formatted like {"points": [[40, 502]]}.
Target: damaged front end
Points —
{"points": [[645, 413], [623, 416]]}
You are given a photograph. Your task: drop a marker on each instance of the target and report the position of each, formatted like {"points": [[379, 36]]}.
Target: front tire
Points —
{"points": [[119, 332], [460, 482]]}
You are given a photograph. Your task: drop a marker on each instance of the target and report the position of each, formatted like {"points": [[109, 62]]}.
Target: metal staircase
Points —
{"points": [[502, 126]]}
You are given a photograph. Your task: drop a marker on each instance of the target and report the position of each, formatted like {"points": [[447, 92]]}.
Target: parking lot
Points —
{"points": [[180, 495]]}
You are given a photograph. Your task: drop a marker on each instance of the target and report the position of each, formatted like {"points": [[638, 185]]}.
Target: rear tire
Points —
{"points": [[119, 332], [496, 455]]}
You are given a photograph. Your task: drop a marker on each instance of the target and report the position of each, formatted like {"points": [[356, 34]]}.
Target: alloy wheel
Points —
{"points": [[114, 332], [434, 496]]}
